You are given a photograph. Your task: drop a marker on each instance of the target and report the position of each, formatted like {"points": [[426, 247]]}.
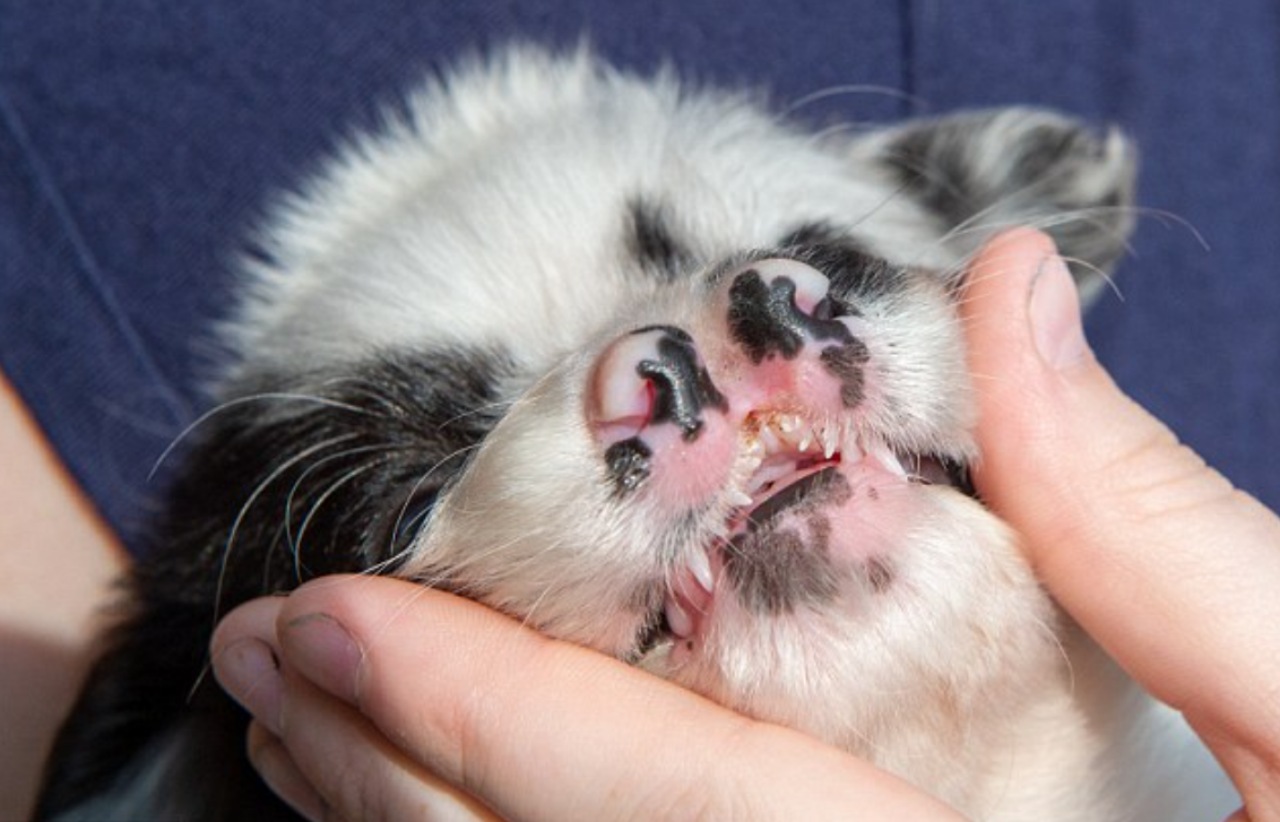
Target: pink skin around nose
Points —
{"points": [[738, 431], [691, 451]]}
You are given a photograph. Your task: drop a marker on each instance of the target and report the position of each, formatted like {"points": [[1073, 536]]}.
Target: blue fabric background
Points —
{"points": [[138, 140]]}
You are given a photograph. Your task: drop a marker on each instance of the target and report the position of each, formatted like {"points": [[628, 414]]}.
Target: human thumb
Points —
{"points": [[1156, 555]]}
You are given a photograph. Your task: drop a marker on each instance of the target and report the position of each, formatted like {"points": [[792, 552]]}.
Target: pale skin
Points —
{"points": [[376, 699], [56, 570]]}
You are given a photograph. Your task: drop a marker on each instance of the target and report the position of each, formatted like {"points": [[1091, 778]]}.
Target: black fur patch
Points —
{"points": [[879, 573], [776, 565], [628, 463], [652, 242], [940, 165], [316, 477], [814, 233], [934, 166], [852, 271], [846, 362]]}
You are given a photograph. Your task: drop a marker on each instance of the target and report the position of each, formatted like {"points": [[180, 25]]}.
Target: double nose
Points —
{"points": [[651, 385]]}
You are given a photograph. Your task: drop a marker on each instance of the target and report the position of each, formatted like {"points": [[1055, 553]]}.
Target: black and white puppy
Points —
{"points": [[658, 373]]}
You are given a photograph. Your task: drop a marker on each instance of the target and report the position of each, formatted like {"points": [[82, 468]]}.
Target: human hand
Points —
{"points": [[1172, 570], [456, 702], [375, 698]]}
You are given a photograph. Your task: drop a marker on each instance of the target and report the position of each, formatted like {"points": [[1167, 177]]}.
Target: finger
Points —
{"points": [[316, 752], [1155, 554], [539, 729], [355, 771], [245, 659], [276, 767]]}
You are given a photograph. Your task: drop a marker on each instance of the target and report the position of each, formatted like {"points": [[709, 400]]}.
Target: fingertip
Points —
{"points": [[1013, 254], [249, 670], [995, 308], [275, 765], [255, 619], [245, 659], [323, 650], [352, 599]]}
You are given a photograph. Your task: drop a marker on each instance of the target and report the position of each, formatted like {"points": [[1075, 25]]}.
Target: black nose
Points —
{"points": [[765, 321], [681, 384]]}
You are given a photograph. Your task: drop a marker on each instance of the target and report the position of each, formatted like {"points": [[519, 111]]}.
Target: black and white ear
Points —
{"points": [[981, 172]]}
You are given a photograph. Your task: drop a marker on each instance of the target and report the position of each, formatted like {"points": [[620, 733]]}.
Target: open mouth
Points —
{"points": [[783, 452], [786, 461]]}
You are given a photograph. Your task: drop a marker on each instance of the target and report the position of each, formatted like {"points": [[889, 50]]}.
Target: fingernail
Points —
{"points": [[1053, 311], [250, 672], [323, 651]]}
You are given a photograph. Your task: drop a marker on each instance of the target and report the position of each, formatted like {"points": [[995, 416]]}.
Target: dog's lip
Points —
{"points": [[786, 492], [784, 456]]}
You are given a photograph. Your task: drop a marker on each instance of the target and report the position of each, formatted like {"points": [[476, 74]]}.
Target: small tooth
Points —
{"points": [[830, 440], [806, 440], [852, 453], [678, 619], [790, 438], [771, 473], [888, 459], [788, 422], [739, 497], [700, 565]]}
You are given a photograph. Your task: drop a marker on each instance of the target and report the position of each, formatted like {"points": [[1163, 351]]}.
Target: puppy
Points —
{"points": [[659, 373]]}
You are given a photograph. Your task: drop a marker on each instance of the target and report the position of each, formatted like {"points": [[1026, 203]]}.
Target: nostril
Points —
{"points": [[650, 377], [810, 285], [623, 398], [776, 305]]}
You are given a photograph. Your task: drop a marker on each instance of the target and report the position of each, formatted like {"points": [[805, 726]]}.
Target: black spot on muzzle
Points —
{"points": [[765, 321], [628, 464], [778, 564]]}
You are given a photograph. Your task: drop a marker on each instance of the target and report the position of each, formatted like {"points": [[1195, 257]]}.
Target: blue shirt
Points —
{"points": [[138, 147]]}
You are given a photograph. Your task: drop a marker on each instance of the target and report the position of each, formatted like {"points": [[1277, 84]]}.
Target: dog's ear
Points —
{"points": [[981, 172]]}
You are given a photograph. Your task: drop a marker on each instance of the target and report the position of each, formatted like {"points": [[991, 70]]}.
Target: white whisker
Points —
{"points": [[253, 498], [296, 545], [851, 89], [235, 403]]}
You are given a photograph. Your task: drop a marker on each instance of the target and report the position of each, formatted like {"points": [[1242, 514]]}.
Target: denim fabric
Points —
{"points": [[138, 142]]}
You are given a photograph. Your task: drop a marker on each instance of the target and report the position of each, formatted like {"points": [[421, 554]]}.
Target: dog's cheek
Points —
{"points": [[534, 528]]}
